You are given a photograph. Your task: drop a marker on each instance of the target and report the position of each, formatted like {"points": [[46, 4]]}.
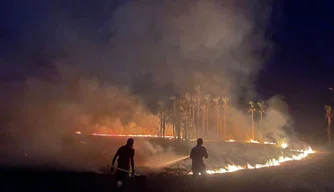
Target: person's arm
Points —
{"points": [[115, 157], [191, 154], [205, 153], [133, 161]]}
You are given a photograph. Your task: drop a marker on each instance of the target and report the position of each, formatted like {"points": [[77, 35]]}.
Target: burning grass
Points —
{"points": [[224, 157]]}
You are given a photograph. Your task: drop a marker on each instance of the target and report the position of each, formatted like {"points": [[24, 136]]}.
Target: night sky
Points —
{"points": [[300, 67]]}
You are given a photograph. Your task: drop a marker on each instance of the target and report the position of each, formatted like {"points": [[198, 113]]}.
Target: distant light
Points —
{"points": [[284, 145], [78, 132]]}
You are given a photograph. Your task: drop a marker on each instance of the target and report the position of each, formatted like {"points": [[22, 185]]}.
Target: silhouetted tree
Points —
{"points": [[225, 104], [198, 105], [161, 116], [252, 110], [329, 114], [173, 98], [216, 100], [208, 105], [261, 111]]}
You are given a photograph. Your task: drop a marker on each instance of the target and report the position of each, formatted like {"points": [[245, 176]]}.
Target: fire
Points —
{"points": [[122, 135], [230, 168], [284, 145], [270, 163], [269, 143], [253, 141]]}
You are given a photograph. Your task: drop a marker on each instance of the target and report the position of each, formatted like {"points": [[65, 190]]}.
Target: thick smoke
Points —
{"points": [[154, 50]]}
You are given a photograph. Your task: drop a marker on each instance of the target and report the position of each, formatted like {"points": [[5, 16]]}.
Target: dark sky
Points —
{"points": [[300, 68]]}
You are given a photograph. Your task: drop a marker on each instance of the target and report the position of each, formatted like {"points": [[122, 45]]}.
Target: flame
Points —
{"points": [[230, 168], [284, 145], [122, 135], [269, 143], [253, 141], [270, 163]]}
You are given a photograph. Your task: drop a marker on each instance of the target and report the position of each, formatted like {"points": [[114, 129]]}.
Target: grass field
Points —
{"points": [[81, 166]]}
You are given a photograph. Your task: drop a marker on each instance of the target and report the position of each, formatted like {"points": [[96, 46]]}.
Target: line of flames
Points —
{"points": [[270, 163], [232, 168], [168, 137]]}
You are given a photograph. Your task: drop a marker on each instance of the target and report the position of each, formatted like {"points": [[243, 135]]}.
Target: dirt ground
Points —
{"points": [[315, 173]]}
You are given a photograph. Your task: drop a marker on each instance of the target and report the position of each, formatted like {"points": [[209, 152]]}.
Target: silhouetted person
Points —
{"points": [[125, 156], [197, 154]]}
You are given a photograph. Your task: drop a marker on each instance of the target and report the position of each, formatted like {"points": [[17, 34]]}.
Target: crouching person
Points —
{"points": [[125, 155]]}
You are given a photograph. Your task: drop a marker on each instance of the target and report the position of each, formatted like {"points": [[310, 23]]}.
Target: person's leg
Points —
{"points": [[203, 173], [122, 177], [195, 174]]}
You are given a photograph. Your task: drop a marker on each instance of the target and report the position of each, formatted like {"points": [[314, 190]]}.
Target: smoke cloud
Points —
{"points": [[108, 78]]}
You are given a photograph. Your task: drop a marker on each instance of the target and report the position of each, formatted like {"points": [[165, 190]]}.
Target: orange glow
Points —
{"points": [[271, 162], [253, 141], [121, 135]]}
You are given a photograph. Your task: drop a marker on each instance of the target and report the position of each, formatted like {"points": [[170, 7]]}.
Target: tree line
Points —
{"points": [[189, 115], [329, 117]]}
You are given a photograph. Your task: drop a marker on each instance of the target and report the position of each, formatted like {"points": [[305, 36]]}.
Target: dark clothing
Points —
{"points": [[197, 154], [121, 175], [124, 154]]}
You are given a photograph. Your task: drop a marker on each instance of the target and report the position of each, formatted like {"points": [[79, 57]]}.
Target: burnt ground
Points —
{"points": [[315, 173]]}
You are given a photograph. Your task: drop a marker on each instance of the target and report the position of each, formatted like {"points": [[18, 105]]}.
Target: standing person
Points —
{"points": [[197, 154], [125, 156]]}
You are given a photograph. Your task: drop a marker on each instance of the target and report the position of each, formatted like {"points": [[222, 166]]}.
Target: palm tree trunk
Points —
{"points": [[174, 119], [178, 129], [329, 129], [253, 125], [186, 129], [173, 130], [207, 122], [164, 127], [197, 127], [160, 134], [217, 118], [203, 116], [193, 120], [225, 137], [261, 127]]}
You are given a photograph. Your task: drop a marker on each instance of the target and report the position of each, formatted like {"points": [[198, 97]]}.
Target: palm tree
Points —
{"points": [[204, 109], [179, 117], [187, 113], [225, 100], [198, 105], [261, 111], [164, 121], [252, 110], [216, 100], [161, 114], [193, 109], [208, 105], [329, 121], [173, 98]]}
